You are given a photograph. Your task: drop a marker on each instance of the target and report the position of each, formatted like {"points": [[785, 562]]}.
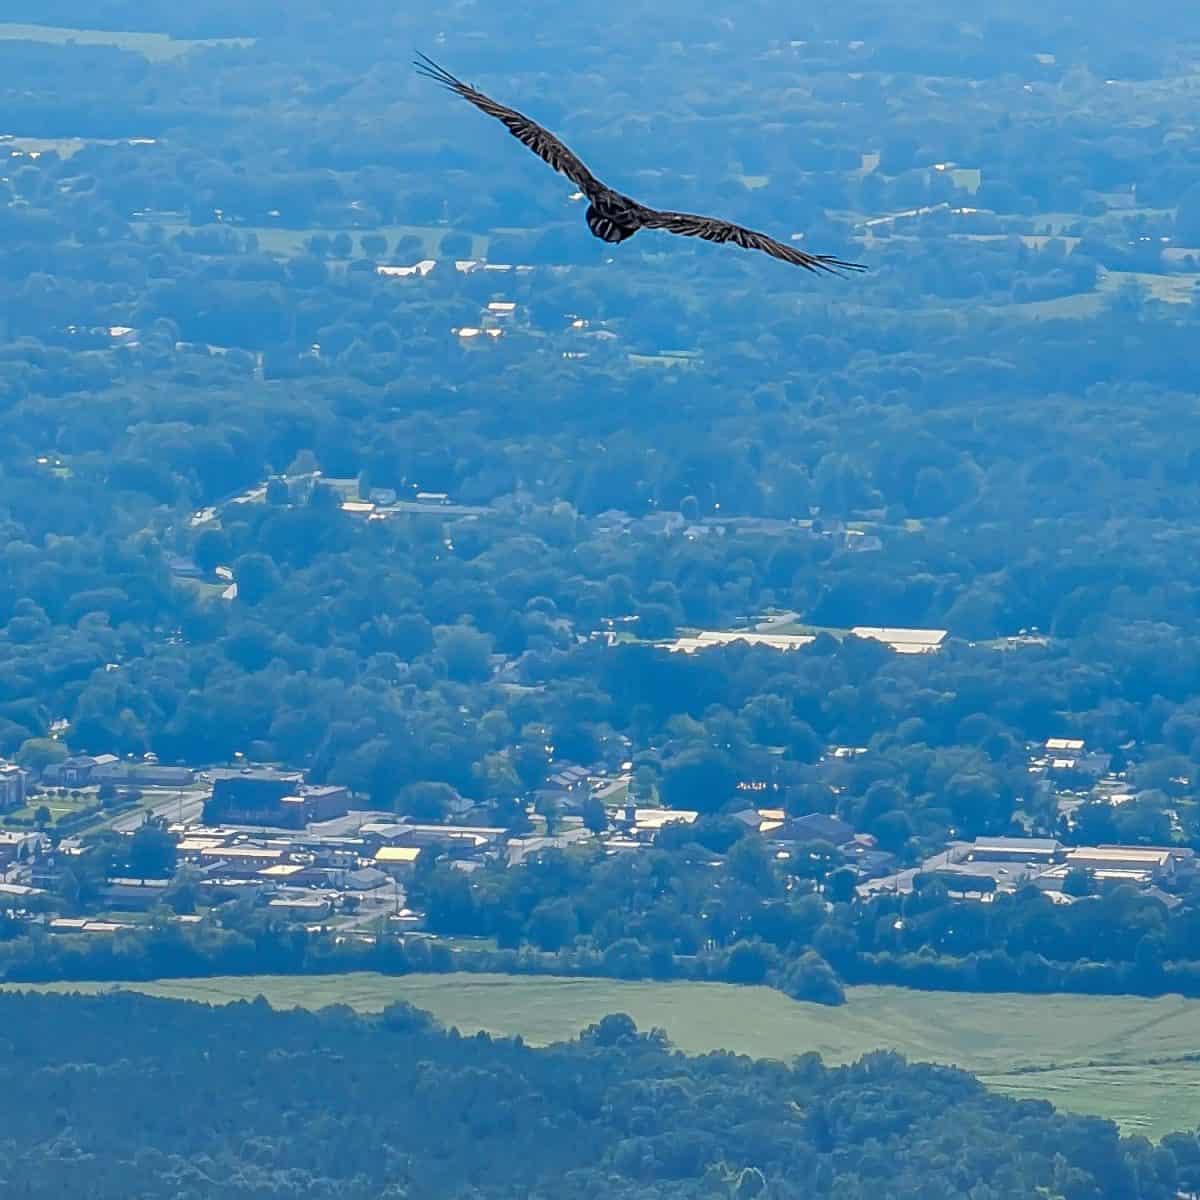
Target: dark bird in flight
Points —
{"points": [[610, 215]]}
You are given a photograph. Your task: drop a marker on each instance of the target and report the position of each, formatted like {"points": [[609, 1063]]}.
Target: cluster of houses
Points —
{"points": [[268, 836], [1004, 864], [86, 770], [789, 837], [1060, 760]]}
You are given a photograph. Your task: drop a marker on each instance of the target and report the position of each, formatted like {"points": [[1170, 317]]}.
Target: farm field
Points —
{"points": [[65, 147], [1132, 1060], [157, 47], [290, 242]]}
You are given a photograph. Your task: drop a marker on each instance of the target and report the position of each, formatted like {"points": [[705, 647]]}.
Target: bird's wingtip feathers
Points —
{"points": [[431, 70], [836, 266]]}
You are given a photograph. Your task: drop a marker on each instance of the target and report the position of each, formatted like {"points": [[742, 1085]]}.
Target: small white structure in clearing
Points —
{"points": [[1060, 744], [903, 641], [421, 268], [652, 819], [709, 638], [502, 308]]}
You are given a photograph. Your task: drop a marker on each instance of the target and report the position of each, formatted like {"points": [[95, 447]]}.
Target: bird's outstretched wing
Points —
{"points": [[712, 229], [541, 141]]}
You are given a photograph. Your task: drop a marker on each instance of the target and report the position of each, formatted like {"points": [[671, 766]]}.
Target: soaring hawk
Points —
{"points": [[612, 216]]}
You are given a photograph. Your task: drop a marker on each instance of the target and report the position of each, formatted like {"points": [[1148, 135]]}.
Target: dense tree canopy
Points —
{"points": [[329, 1104]]}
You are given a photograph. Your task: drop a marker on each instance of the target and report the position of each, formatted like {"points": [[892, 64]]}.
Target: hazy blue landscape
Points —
{"points": [[407, 597]]}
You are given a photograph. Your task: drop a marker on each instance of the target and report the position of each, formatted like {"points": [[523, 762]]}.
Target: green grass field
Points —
{"points": [[155, 46], [1170, 289], [1118, 1057], [63, 147], [59, 806], [290, 242]]}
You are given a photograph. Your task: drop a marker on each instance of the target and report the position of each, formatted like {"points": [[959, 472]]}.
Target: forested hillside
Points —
{"points": [[267, 1104]]}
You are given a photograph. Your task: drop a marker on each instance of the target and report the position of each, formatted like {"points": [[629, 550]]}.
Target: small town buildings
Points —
{"points": [[815, 827], [569, 778], [1128, 863], [76, 771], [134, 895], [709, 638], [903, 641], [421, 268], [644, 823], [241, 861], [13, 786], [142, 774], [764, 821], [1005, 849], [365, 879], [397, 860], [305, 906], [1064, 746], [521, 848], [452, 839], [18, 845], [273, 798]]}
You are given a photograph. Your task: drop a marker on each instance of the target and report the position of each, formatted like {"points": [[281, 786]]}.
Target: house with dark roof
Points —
{"points": [[13, 786], [77, 771], [814, 827]]}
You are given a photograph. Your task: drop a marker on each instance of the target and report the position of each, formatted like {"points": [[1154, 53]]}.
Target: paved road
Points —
{"points": [[171, 806], [381, 902]]}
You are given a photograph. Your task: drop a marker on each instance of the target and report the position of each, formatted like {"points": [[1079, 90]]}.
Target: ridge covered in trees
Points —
{"points": [[268, 1104]]}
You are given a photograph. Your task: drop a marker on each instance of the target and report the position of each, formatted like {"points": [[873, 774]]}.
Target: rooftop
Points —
{"points": [[282, 870], [656, 818], [421, 268], [902, 641], [1017, 845], [1056, 743], [397, 854], [709, 638], [1120, 855], [245, 853], [256, 773]]}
